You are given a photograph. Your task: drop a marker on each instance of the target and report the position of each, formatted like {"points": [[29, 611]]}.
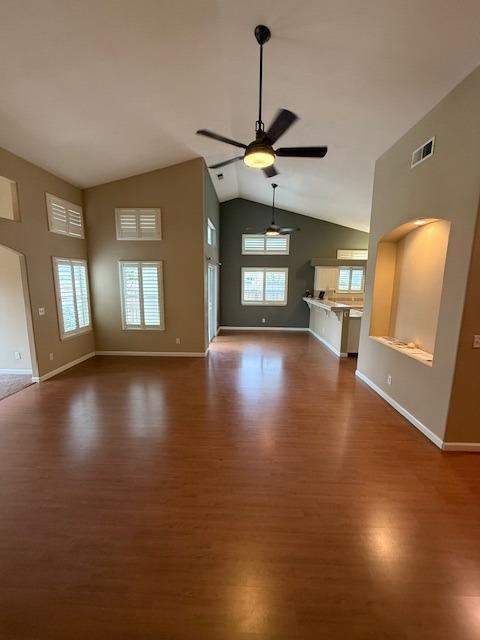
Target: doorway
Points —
{"points": [[212, 297]]}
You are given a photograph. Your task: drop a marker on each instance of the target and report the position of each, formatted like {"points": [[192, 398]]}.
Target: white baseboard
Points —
{"points": [[406, 414], [64, 367], [168, 354], [328, 345], [20, 372], [471, 447], [228, 328]]}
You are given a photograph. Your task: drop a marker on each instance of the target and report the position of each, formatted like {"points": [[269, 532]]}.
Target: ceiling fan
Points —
{"points": [[260, 153], [274, 229]]}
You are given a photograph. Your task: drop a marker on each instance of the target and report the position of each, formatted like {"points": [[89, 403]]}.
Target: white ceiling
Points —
{"points": [[96, 91]]}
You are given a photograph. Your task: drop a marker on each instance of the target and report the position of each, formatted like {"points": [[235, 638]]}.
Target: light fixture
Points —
{"points": [[259, 155], [421, 221], [272, 232]]}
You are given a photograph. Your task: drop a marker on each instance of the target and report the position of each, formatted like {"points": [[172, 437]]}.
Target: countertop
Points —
{"points": [[334, 305]]}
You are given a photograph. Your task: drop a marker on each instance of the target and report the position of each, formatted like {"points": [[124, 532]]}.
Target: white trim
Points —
{"points": [[66, 335], [168, 354], [137, 212], [228, 328], [265, 251], [471, 447], [338, 353], [21, 372], [412, 162], [263, 302], [52, 200], [398, 407], [64, 367], [161, 304]]}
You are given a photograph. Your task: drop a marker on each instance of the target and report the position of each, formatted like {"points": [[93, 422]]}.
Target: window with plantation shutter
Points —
{"points": [[64, 217], [264, 286], [138, 224], [352, 254], [351, 280], [141, 288], [73, 298], [258, 244]]}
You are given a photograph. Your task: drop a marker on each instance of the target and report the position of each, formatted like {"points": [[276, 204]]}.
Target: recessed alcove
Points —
{"points": [[408, 287]]}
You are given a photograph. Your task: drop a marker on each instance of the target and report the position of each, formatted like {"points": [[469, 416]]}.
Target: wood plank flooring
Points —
{"points": [[261, 493]]}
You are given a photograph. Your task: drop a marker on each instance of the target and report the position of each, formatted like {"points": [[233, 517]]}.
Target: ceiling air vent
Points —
{"points": [[423, 152]]}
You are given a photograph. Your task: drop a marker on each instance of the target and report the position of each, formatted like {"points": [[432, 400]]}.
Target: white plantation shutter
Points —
{"points": [[71, 281], [350, 280], [352, 254], [138, 224], [356, 280], [264, 286], [343, 279], [64, 217], [141, 286], [265, 245]]}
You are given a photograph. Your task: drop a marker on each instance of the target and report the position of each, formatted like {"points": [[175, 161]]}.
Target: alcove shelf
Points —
{"points": [[408, 286]]}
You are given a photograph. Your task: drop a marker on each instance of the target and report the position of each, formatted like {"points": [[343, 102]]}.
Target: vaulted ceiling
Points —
{"points": [[96, 91]]}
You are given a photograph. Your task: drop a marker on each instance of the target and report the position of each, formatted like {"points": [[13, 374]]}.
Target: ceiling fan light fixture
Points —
{"points": [[272, 232], [259, 157]]}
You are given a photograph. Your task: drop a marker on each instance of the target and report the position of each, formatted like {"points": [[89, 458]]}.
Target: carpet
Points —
{"points": [[13, 382]]}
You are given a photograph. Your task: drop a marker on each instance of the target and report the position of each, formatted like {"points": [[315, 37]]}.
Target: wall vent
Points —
{"points": [[423, 152]]}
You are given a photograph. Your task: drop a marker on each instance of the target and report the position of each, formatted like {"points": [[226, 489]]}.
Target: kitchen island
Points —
{"points": [[336, 324]]}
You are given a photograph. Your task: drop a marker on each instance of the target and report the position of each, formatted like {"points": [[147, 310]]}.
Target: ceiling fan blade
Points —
{"points": [[270, 172], [287, 229], [216, 136], [301, 152], [282, 121], [224, 163]]}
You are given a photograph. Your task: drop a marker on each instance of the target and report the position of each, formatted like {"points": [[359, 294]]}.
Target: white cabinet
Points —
{"points": [[325, 278]]}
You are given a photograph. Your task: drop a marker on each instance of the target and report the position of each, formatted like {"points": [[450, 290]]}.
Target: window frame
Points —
{"points": [[211, 231], [351, 268], [352, 254], [66, 335], [138, 210], [265, 251], [161, 296], [50, 199], [264, 303], [12, 184]]}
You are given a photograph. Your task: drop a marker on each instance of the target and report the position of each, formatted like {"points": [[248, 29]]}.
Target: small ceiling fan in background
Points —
{"points": [[274, 229], [260, 153]]}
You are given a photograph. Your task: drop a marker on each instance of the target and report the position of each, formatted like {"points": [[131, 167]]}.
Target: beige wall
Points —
{"points": [[31, 237], [13, 322], [445, 186], [418, 284], [179, 192], [463, 423]]}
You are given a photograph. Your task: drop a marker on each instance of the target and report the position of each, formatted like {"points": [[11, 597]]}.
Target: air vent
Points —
{"points": [[423, 152]]}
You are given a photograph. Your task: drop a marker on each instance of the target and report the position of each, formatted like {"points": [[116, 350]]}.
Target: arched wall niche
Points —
{"points": [[408, 287]]}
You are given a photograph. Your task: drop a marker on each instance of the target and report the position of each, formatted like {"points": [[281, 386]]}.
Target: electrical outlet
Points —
{"points": [[50, 355], [389, 379], [41, 311], [476, 342], [264, 320], [18, 355], [177, 340]]}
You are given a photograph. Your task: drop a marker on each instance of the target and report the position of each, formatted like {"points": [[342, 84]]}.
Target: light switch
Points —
{"points": [[476, 342], [41, 311]]}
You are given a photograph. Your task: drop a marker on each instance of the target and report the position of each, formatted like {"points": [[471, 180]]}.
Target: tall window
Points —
{"points": [[64, 217], [73, 298], [351, 279], [258, 245], [141, 288], [264, 286], [211, 233]]}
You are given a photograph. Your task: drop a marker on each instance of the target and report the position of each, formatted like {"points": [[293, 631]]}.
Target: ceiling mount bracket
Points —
{"points": [[262, 34]]}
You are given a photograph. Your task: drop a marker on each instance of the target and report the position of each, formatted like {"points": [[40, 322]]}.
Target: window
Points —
{"points": [[264, 286], [352, 254], [64, 217], [138, 224], [141, 288], [211, 233], [73, 298], [350, 279], [265, 245], [8, 199]]}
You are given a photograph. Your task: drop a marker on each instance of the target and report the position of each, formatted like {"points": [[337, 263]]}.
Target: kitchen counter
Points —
{"points": [[336, 324], [334, 305]]}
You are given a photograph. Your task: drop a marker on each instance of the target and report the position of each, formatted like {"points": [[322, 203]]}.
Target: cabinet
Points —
{"points": [[325, 278]]}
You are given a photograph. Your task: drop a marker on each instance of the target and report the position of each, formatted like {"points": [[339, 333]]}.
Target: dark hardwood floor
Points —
{"points": [[261, 493]]}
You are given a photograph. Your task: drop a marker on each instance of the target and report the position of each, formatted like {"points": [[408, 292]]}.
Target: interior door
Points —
{"points": [[212, 296]]}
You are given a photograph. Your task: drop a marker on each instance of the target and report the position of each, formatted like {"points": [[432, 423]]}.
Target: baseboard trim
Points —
{"points": [[20, 372], [228, 328], [339, 354], [167, 354], [64, 367], [468, 447], [406, 414]]}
